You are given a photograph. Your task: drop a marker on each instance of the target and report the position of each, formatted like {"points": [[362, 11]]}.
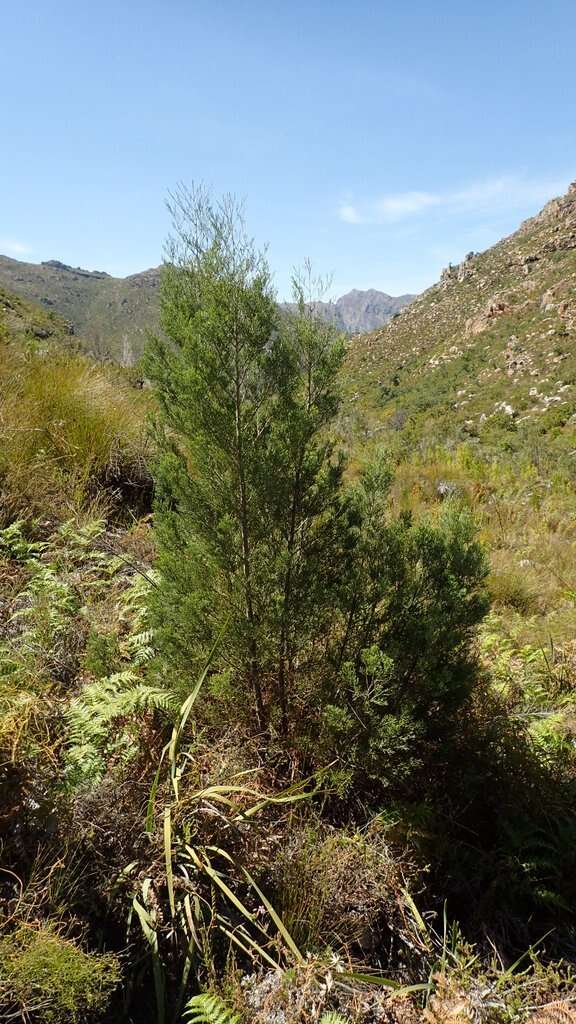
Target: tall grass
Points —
{"points": [[71, 434]]}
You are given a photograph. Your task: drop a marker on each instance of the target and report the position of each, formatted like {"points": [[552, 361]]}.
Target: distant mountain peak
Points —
{"points": [[113, 314], [364, 293], [360, 311]]}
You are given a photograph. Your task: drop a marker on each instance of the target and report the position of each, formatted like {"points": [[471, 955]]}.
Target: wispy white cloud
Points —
{"points": [[405, 204], [349, 214], [14, 248], [507, 192]]}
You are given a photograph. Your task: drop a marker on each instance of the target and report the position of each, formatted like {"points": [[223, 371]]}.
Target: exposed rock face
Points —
{"points": [[114, 314], [475, 325], [459, 272], [358, 312]]}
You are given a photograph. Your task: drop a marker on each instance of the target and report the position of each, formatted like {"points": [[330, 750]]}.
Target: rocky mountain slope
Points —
{"points": [[489, 348], [471, 391], [113, 314], [358, 312], [22, 322]]}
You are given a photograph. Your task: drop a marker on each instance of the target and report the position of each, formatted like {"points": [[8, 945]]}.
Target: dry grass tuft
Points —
{"points": [[340, 889], [559, 1012]]}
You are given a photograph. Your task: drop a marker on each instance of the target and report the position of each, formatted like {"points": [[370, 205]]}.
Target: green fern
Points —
{"points": [[207, 1008], [14, 543], [103, 722], [139, 647]]}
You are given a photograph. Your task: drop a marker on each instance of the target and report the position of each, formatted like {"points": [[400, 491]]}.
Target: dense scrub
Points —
{"points": [[299, 746]]}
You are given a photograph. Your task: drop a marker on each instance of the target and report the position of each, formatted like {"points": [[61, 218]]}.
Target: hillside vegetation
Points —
{"points": [[487, 351], [110, 315], [473, 389], [292, 740], [71, 432]]}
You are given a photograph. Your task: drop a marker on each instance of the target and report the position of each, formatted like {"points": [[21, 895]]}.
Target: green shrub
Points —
{"points": [[403, 660], [49, 979]]}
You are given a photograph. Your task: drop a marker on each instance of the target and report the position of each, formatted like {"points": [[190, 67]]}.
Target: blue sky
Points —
{"points": [[379, 139]]}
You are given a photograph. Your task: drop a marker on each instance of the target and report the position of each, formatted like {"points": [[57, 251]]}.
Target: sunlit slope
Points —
{"points": [[490, 347]]}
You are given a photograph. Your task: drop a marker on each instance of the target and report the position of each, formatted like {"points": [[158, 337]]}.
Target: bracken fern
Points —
{"points": [[207, 1008], [104, 721]]}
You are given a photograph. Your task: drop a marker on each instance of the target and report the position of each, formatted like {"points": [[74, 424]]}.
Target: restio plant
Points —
{"points": [[71, 434]]}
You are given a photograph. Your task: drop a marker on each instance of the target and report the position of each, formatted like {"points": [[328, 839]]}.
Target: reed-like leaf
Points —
{"points": [[277, 920], [168, 858]]}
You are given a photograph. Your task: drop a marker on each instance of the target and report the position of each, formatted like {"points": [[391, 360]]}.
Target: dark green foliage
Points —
{"points": [[413, 596], [215, 383], [515, 879], [246, 482], [329, 611], [369, 730], [100, 654]]}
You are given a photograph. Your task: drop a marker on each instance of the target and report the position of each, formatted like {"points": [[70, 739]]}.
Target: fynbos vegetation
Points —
{"points": [[286, 662]]}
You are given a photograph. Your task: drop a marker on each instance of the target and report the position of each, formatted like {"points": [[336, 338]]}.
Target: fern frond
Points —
{"points": [[139, 646], [103, 721], [207, 1008]]}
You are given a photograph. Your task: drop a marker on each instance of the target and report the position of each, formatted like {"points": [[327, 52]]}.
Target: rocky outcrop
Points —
{"points": [[475, 325]]}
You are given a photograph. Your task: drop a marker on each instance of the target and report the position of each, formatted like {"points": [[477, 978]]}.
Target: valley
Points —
{"points": [[288, 727], [111, 316]]}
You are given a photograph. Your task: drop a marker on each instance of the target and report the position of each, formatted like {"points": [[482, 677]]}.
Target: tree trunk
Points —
{"points": [[253, 670], [283, 652]]}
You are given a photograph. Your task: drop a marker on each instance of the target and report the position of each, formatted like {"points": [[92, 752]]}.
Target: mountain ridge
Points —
{"points": [[360, 310], [113, 314]]}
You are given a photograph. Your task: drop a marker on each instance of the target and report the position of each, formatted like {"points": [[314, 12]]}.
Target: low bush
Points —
{"points": [[47, 978]]}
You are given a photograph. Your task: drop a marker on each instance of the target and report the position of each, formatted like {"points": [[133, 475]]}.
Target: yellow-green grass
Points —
{"points": [[72, 433]]}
